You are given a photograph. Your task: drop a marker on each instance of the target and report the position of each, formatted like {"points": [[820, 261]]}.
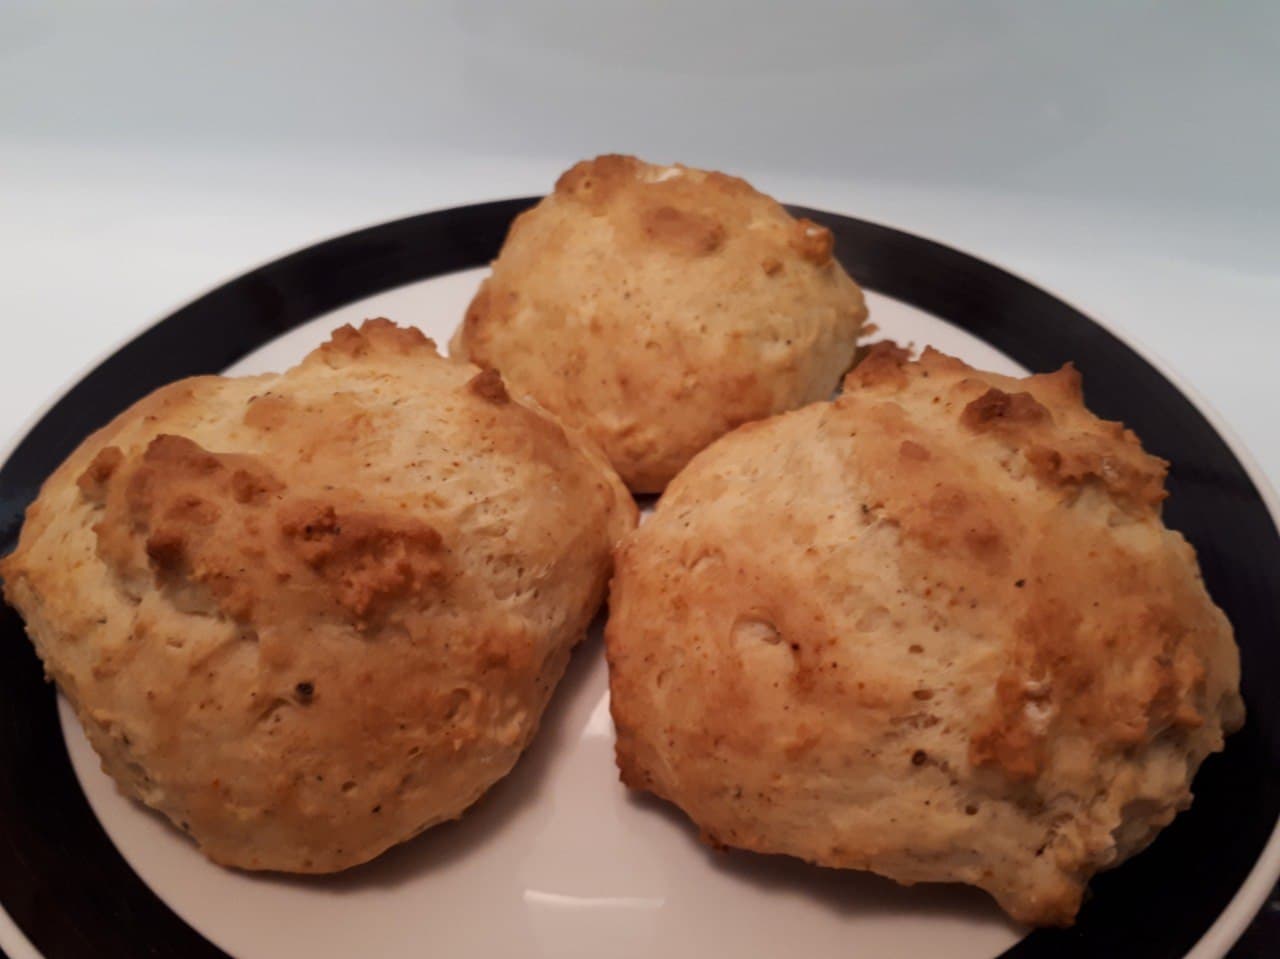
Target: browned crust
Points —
{"points": [[379, 333], [656, 308], [307, 616], [935, 628], [488, 385]]}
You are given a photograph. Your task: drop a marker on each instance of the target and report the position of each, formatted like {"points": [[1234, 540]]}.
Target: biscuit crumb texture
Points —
{"points": [[935, 629], [657, 308], [307, 616]]}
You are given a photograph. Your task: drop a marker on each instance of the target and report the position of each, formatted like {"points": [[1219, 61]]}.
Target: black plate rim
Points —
{"points": [[1249, 895]]}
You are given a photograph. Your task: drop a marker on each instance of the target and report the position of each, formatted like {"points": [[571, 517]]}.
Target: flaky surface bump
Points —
{"points": [[935, 629], [306, 616], [659, 307]]}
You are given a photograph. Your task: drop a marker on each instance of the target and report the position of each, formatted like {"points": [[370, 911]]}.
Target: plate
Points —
{"points": [[559, 860]]}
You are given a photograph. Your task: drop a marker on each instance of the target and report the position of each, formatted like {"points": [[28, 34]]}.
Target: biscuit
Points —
{"points": [[657, 308], [308, 615], [935, 629]]}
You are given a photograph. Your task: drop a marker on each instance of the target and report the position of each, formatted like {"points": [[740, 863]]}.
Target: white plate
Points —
{"points": [[559, 860]]}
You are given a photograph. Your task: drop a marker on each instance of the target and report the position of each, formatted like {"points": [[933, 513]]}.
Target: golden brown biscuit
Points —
{"points": [[307, 616], [659, 307], [935, 629]]}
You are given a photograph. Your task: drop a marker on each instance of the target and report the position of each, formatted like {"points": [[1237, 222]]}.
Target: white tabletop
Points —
{"points": [[1123, 158]]}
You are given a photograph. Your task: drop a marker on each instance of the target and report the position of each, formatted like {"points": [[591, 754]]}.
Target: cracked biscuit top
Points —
{"points": [[935, 629], [308, 615], [659, 307]]}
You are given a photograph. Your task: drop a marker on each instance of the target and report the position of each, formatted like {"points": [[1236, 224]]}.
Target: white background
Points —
{"points": [[1123, 155]]}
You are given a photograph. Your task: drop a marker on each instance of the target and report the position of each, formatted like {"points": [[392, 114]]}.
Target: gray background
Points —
{"points": [[1122, 154]]}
